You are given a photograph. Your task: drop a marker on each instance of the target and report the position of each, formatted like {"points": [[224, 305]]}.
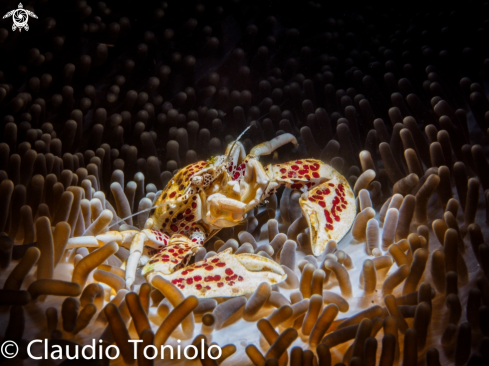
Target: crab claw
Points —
{"points": [[224, 275], [329, 209], [172, 257]]}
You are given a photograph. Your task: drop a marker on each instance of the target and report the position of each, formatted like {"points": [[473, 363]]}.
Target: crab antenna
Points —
{"points": [[137, 213], [234, 143]]}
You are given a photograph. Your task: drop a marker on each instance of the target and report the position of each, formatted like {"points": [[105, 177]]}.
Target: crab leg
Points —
{"points": [[255, 180], [153, 238], [135, 253], [238, 152], [266, 148]]}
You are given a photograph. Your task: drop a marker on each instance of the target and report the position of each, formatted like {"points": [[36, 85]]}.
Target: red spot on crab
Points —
{"points": [[189, 281], [215, 260], [209, 268], [173, 194], [198, 286], [315, 175], [174, 227], [197, 278], [283, 170], [220, 284], [298, 162], [221, 264], [229, 271], [322, 204], [294, 167], [329, 227]]}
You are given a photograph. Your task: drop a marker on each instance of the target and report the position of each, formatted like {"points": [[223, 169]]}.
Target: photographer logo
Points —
{"points": [[20, 18]]}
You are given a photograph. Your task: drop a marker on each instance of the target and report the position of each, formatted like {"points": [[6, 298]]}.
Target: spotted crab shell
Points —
{"points": [[172, 257], [224, 275], [330, 210]]}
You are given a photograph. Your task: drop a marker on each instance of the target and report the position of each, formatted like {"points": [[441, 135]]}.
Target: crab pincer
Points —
{"points": [[329, 210], [223, 275], [328, 202]]}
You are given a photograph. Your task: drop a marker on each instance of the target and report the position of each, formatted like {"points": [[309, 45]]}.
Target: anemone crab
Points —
{"points": [[206, 196]]}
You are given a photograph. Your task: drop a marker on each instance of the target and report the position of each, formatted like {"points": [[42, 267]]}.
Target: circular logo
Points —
{"points": [[9, 349], [20, 18]]}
